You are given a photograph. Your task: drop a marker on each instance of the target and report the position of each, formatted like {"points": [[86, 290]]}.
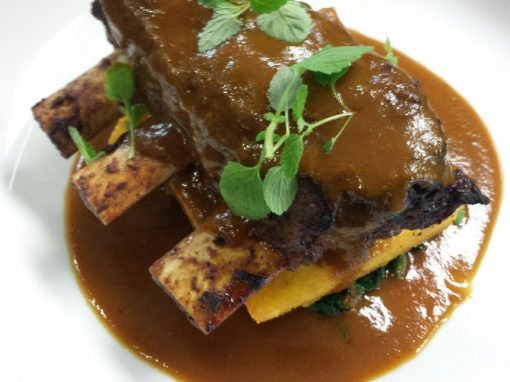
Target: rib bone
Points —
{"points": [[81, 104]]}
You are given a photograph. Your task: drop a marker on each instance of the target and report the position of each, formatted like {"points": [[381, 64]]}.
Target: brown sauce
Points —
{"points": [[389, 326]]}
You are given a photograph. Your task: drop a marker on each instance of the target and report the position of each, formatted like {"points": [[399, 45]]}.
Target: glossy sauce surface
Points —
{"points": [[221, 95], [388, 327]]}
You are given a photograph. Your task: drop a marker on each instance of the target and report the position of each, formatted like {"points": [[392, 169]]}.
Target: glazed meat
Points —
{"points": [[389, 171]]}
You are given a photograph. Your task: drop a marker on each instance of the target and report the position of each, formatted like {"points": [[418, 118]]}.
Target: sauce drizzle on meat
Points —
{"points": [[388, 327]]}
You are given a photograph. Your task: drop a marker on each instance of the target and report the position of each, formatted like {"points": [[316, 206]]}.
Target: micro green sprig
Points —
{"points": [[120, 87], [243, 188], [285, 20]]}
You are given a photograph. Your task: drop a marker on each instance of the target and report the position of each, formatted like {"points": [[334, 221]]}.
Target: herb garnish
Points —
{"points": [[336, 303], [389, 53], [86, 150], [120, 87], [285, 20], [243, 188]]}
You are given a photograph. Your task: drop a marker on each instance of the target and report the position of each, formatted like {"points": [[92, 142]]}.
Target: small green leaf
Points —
{"points": [[389, 53], [119, 83], [461, 215], [86, 150], [328, 79], [328, 146], [279, 190], [291, 155], [266, 6], [283, 88], [224, 24], [262, 136], [333, 60], [290, 23], [331, 305], [241, 188], [299, 106], [212, 4]]}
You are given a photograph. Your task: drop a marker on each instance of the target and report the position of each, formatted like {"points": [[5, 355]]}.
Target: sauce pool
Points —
{"points": [[388, 327]]}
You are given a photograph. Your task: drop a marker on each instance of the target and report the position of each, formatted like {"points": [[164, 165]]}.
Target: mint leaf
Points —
{"points": [[119, 85], [279, 190], [283, 88], [241, 188], [389, 53], [290, 23], [299, 106], [223, 25], [266, 6], [333, 60], [329, 79], [291, 155], [86, 150], [211, 3]]}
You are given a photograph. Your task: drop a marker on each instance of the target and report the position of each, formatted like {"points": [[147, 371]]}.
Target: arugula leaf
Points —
{"points": [[290, 23], [266, 6], [211, 3], [119, 85], [242, 189], [299, 106], [279, 190], [291, 155], [86, 150], [331, 305], [329, 79], [331, 60], [461, 215], [224, 24], [389, 53], [283, 88]]}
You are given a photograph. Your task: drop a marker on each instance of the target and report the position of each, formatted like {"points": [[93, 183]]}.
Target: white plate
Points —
{"points": [[47, 331]]}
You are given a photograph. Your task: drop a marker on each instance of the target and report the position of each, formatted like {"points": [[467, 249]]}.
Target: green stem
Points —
{"points": [[268, 142], [313, 126], [283, 139], [333, 141], [339, 98], [131, 129], [243, 9]]}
